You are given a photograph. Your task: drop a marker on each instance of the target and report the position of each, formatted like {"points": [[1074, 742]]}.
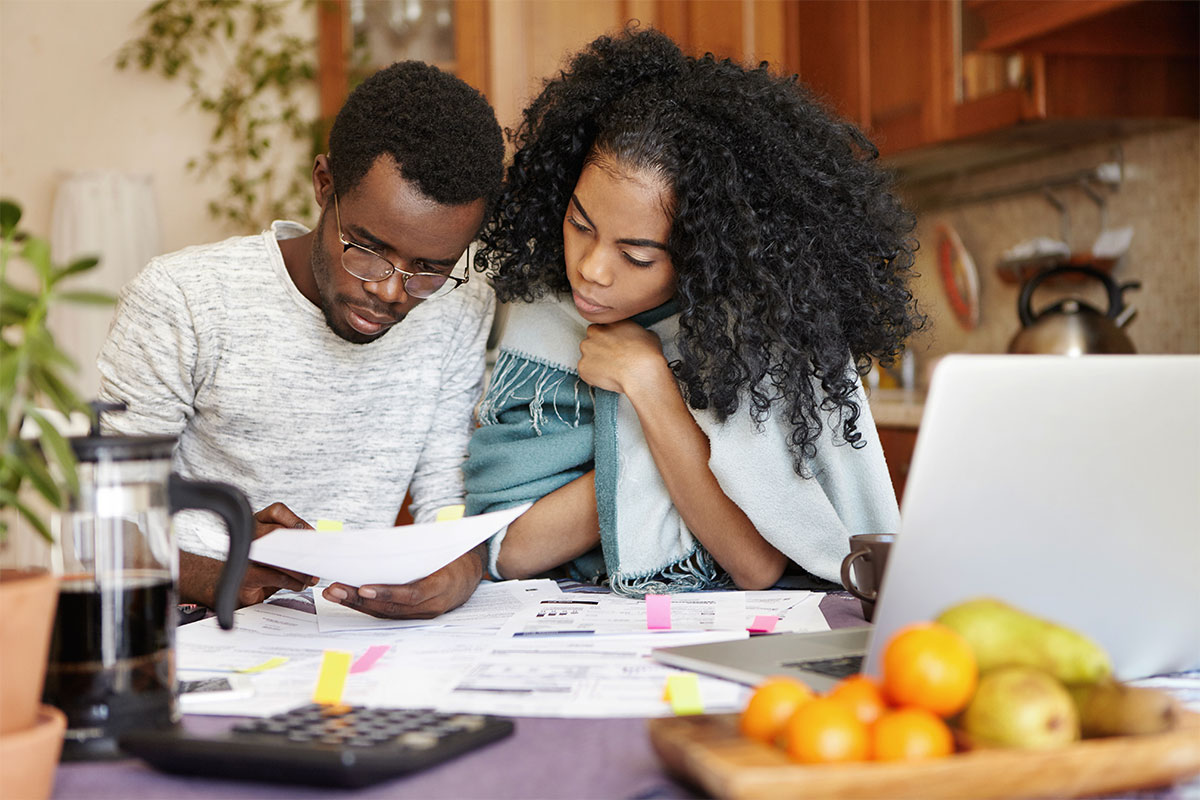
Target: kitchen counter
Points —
{"points": [[896, 408]]}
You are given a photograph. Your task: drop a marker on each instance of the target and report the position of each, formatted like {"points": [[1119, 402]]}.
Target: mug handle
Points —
{"points": [[231, 505], [847, 562]]}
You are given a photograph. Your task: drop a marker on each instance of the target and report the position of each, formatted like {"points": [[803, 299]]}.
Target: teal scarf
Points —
{"points": [[541, 427]]}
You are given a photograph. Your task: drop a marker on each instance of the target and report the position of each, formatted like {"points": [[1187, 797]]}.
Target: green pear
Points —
{"points": [[1020, 707], [1110, 708], [1001, 635]]}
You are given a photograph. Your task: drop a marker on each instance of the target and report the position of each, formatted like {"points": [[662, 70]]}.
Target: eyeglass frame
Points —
{"points": [[405, 275]]}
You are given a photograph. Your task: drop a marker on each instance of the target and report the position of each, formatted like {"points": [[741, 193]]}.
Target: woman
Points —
{"points": [[701, 263]]}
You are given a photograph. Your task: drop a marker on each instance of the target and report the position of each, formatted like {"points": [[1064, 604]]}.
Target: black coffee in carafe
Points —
{"points": [[112, 653], [112, 663]]}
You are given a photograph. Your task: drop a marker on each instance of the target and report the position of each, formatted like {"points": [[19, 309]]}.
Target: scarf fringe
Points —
{"points": [[695, 572], [512, 371]]}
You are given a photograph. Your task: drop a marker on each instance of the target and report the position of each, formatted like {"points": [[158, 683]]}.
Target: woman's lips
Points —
{"points": [[586, 306]]}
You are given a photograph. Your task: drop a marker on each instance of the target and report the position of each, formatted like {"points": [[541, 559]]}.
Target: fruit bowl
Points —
{"points": [[710, 752]]}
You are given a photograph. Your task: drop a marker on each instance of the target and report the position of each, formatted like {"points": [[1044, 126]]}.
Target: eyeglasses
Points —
{"points": [[367, 265]]}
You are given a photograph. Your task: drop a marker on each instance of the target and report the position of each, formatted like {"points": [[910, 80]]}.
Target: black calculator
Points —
{"points": [[320, 744]]}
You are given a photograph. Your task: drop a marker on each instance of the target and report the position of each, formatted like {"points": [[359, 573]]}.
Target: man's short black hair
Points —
{"points": [[442, 133]]}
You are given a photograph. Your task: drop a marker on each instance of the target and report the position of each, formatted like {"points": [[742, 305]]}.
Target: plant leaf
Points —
{"points": [[30, 463], [8, 498], [10, 215], [86, 298], [17, 302], [37, 252], [58, 448], [80, 265]]}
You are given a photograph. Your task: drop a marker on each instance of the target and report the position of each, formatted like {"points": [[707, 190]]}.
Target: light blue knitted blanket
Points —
{"points": [[542, 427]]}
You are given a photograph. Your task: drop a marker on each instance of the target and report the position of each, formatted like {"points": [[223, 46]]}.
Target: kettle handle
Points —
{"points": [[232, 506], [1116, 302]]}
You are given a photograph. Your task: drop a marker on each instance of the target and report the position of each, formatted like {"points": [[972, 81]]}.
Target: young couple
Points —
{"points": [[699, 261]]}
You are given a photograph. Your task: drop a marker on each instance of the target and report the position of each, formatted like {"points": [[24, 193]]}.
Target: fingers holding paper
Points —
{"points": [[262, 581], [444, 590], [276, 515]]}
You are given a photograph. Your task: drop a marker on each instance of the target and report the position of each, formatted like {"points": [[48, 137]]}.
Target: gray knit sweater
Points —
{"points": [[215, 344]]}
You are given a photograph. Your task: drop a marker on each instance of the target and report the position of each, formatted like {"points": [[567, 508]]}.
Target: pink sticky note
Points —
{"points": [[368, 659], [658, 612], [763, 623]]}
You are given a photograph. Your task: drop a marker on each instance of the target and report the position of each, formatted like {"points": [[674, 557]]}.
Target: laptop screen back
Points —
{"points": [[1069, 487]]}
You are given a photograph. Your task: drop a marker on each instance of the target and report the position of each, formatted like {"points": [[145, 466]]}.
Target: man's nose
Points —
{"points": [[390, 290]]}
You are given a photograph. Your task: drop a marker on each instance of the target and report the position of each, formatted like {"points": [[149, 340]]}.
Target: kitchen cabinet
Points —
{"points": [[922, 73], [898, 444], [451, 34], [505, 48]]}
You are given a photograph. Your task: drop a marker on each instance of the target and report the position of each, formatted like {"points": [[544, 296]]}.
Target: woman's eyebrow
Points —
{"points": [[632, 242], [579, 208], [643, 243]]}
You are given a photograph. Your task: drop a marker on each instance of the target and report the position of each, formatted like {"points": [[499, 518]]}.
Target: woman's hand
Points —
{"points": [[620, 355]]}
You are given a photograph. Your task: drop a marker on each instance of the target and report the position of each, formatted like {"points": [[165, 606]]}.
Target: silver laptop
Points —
{"points": [[1069, 487]]}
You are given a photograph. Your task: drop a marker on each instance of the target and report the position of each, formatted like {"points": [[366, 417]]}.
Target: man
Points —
{"points": [[273, 357]]}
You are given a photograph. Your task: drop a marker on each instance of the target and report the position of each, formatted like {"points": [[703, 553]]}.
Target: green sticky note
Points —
{"points": [[329, 524], [683, 693]]}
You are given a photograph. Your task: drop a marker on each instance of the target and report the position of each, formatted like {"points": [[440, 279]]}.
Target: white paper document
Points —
{"points": [[488, 608], [606, 676], [378, 555], [470, 660], [577, 613]]}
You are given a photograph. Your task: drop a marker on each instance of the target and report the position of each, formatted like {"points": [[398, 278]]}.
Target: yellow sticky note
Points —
{"points": [[329, 524], [450, 513], [334, 667], [270, 663], [683, 693]]}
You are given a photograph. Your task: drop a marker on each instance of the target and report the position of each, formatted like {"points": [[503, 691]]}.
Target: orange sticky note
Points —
{"points": [[335, 665], [658, 612], [683, 693]]}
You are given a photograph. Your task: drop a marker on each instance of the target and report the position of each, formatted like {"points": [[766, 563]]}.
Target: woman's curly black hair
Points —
{"points": [[791, 253]]}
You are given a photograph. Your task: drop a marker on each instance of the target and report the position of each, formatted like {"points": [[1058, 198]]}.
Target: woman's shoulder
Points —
{"points": [[547, 330]]}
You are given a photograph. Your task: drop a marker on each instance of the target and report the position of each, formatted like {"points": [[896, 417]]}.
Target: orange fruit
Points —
{"points": [[862, 694], [929, 666], [771, 706], [826, 731], [910, 734]]}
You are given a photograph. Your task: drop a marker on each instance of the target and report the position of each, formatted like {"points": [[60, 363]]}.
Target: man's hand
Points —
{"points": [[198, 574], [446, 589]]}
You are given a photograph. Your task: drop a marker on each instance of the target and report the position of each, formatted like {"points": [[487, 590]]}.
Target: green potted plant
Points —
{"points": [[37, 475]]}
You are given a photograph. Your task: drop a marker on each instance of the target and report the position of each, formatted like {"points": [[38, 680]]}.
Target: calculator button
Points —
{"points": [[467, 722], [418, 740]]}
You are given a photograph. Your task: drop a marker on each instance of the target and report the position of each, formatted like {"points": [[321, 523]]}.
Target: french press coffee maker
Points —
{"points": [[112, 651]]}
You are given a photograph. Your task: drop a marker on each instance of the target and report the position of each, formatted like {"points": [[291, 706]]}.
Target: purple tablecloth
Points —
{"points": [[544, 758]]}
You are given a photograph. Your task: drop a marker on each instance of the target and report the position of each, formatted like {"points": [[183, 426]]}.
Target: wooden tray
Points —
{"points": [[709, 752]]}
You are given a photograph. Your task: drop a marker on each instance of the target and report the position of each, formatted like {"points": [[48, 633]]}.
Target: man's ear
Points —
{"points": [[322, 180]]}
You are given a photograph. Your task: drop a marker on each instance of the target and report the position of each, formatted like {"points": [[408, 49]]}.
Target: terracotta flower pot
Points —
{"points": [[29, 758], [27, 602]]}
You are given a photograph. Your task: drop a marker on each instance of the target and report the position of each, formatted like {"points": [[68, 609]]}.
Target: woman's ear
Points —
{"points": [[322, 180]]}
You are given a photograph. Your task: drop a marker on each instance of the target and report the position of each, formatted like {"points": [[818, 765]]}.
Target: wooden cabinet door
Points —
{"points": [[898, 444]]}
